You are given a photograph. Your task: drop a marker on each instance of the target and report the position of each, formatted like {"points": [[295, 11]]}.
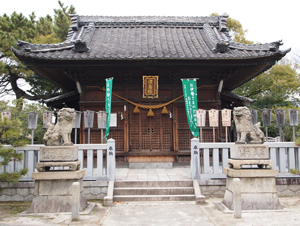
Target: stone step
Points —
{"points": [[183, 183], [154, 191], [154, 198]]}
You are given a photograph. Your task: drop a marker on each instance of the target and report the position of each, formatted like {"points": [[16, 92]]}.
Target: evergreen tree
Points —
{"points": [[12, 71], [62, 21], [10, 134]]}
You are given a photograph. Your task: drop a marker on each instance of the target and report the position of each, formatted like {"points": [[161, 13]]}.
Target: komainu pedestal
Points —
{"points": [[258, 185], [258, 189], [53, 191]]}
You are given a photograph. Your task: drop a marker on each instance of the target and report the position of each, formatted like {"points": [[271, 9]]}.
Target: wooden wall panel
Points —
{"points": [[151, 159], [94, 95], [206, 94]]}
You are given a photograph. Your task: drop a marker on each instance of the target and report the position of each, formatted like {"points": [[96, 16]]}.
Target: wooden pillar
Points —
{"points": [[126, 122]]}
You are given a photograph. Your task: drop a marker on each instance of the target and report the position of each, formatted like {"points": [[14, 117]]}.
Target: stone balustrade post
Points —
{"points": [[195, 159], [111, 160]]}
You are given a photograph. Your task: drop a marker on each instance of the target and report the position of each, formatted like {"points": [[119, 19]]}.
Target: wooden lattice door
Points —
{"points": [[150, 133]]}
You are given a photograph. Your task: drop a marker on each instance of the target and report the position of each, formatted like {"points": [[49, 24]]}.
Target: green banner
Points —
{"points": [[109, 83], [191, 103]]}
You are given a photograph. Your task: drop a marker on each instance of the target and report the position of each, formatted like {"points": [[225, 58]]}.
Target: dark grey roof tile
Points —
{"points": [[147, 37]]}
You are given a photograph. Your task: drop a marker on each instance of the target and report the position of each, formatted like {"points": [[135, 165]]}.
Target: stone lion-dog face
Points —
{"points": [[245, 128], [62, 129]]}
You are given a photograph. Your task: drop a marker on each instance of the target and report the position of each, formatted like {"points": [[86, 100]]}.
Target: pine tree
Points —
{"points": [[10, 134], [29, 29], [62, 21]]}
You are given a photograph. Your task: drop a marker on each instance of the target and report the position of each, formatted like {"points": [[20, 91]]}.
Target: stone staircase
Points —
{"points": [[154, 191]]}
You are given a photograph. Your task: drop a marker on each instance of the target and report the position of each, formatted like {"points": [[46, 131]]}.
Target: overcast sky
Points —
{"points": [[266, 20]]}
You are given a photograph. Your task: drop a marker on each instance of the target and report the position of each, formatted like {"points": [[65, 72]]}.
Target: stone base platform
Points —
{"points": [[45, 166], [258, 189], [54, 191], [261, 163]]}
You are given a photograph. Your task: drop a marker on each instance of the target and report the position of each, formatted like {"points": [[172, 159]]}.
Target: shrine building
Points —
{"points": [[148, 57]]}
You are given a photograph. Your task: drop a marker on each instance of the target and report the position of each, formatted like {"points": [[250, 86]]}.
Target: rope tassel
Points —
{"points": [[136, 110], [165, 111], [150, 113]]}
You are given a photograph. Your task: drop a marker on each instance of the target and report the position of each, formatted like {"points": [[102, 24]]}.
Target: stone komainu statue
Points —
{"points": [[62, 129], [246, 131]]}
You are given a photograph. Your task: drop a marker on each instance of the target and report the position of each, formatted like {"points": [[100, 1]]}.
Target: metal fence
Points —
{"points": [[90, 155], [208, 160]]}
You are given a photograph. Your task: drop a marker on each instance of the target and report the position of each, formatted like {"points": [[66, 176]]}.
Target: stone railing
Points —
{"points": [[90, 155], [208, 160]]}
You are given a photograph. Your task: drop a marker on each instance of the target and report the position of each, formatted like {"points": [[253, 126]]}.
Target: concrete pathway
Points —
{"points": [[166, 213], [157, 213]]}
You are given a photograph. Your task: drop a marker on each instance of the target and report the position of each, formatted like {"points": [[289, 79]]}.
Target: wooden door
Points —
{"points": [[150, 133]]}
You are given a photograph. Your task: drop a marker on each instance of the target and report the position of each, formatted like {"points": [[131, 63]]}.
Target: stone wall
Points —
{"points": [[216, 188], [24, 191]]}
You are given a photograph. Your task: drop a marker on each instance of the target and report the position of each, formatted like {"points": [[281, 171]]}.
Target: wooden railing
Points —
{"points": [[96, 169], [208, 160]]}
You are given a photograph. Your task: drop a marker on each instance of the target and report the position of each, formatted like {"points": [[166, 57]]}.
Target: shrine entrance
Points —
{"points": [[150, 134]]}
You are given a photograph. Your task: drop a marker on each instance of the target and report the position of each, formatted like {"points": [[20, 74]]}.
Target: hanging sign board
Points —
{"points": [[101, 117], [253, 116], [47, 117], [6, 114], [293, 117], [213, 118], [150, 86], [266, 115], [88, 119], [201, 117], [280, 117], [113, 120], [32, 120], [76, 123], [226, 117]]}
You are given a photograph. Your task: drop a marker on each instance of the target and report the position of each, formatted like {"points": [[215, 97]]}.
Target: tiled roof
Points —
{"points": [[137, 38]]}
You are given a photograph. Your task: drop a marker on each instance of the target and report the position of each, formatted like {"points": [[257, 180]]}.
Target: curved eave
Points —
{"points": [[23, 55], [272, 61]]}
